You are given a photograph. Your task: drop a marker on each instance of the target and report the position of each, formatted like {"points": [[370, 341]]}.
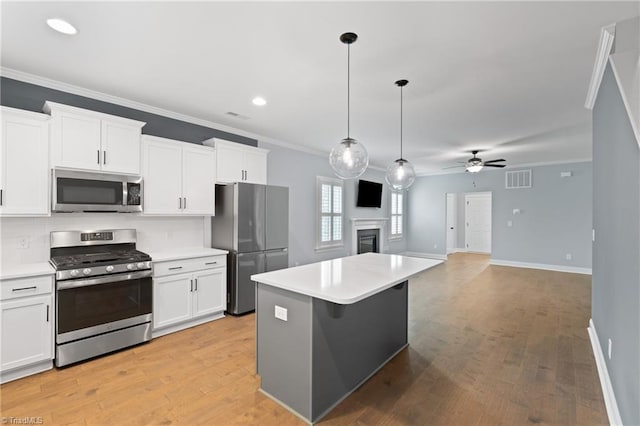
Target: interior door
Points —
{"points": [[277, 217], [478, 222], [452, 217]]}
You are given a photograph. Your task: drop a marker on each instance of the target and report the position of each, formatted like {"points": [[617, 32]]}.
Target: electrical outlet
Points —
{"points": [[568, 256], [281, 313], [435, 246], [23, 242], [610, 344]]}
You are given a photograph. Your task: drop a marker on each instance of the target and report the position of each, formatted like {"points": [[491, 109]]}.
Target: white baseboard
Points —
{"points": [[458, 250], [546, 267], [438, 256], [605, 382]]}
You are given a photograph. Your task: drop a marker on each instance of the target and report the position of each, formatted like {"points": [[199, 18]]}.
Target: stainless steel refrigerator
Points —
{"points": [[252, 222]]}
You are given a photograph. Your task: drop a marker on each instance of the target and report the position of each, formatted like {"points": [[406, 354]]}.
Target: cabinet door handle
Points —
{"points": [[104, 157], [24, 288], [185, 202], [0, 197], [98, 151], [211, 263], [246, 175], [180, 202], [196, 280], [191, 283], [175, 267], [47, 313]]}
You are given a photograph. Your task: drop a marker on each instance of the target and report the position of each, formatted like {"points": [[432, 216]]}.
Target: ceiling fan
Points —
{"points": [[475, 164]]}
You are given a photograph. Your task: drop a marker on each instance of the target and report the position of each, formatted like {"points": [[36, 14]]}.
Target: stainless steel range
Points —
{"points": [[103, 293]]}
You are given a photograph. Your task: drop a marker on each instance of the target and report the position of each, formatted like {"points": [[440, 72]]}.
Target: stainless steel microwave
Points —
{"points": [[79, 191]]}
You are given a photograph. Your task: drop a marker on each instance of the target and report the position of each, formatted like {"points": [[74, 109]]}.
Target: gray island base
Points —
{"points": [[313, 352]]}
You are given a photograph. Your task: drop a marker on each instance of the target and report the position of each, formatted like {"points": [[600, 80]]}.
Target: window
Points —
{"points": [[329, 227], [396, 215]]}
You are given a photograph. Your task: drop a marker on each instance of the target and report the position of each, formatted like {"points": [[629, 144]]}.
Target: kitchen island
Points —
{"points": [[323, 329]]}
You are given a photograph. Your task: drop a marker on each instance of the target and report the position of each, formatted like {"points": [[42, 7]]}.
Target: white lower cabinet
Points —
{"points": [[188, 292], [26, 327]]}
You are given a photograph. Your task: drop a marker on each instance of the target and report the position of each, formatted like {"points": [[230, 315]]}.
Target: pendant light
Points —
{"points": [[400, 174], [349, 159]]}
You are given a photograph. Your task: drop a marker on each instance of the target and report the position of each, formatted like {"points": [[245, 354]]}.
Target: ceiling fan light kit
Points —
{"points": [[350, 158], [475, 164], [400, 174]]}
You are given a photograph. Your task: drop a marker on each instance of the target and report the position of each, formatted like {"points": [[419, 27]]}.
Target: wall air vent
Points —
{"points": [[236, 115], [517, 179]]}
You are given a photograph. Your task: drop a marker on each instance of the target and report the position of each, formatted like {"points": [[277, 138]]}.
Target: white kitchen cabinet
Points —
{"points": [[24, 159], [26, 327], [188, 292], [210, 289], [179, 178], [239, 163], [172, 300], [90, 140]]}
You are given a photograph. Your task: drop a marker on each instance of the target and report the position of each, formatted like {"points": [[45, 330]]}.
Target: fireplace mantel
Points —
{"points": [[360, 223]]}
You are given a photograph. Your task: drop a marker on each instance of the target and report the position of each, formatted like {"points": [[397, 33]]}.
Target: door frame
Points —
{"points": [[454, 243], [466, 218]]}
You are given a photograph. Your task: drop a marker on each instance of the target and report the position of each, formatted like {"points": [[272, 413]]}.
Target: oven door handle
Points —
{"points": [[64, 285]]}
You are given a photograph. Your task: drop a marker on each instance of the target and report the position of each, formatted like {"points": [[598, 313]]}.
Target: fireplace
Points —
{"points": [[368, 241], [368, 224]]}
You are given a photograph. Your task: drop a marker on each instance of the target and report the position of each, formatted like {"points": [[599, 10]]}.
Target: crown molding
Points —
{"points": [[93, 94], [607, 35]]}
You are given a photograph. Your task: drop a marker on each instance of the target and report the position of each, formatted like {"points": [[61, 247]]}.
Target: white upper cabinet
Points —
{"points": [[239, 163], [24, 156], [83, 139], [178, 177]]}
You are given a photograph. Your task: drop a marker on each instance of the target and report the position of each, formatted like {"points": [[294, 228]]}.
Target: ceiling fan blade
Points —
{"points": [[494, 161], [453, 167], [495, 165]]}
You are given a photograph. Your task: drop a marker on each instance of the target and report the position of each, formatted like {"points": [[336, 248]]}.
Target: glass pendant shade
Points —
{"points": [[400, 174], [349, 159]]}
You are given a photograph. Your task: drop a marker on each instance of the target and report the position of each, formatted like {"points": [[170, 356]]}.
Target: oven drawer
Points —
{"points": [[22, 287], [188, 265]]}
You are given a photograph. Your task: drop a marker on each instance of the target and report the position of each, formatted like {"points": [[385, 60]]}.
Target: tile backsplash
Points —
{"points": [[26, 240]]}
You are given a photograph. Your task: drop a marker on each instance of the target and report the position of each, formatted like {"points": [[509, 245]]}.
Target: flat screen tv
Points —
{"points": [[369, 194]]}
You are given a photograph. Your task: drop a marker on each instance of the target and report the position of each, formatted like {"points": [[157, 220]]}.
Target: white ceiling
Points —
{"points": [[508, 78]]}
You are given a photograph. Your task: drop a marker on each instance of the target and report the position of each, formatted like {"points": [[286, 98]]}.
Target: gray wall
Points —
{"points": [[615, 306], [298, 171], [555, 214], [21, 95]]}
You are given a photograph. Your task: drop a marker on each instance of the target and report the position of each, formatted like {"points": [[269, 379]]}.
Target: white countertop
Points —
{"points": [[25, 270], [349, 279], [185, 253]]}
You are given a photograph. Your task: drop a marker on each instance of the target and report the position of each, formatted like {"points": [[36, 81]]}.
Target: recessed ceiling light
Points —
{"points": [[61, 26], [259, 101]]}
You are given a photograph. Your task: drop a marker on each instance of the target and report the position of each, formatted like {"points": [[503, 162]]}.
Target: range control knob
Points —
{"points": [[141, 265], [109, 268], [131, 266], [86, 271], [74, 273]]}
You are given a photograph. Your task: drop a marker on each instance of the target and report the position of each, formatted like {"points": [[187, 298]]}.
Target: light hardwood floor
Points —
{"points": [[489, 345]]}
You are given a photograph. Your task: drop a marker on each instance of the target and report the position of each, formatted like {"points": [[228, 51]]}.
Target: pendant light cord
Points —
{"points": [[348, 91], [401, 122]]}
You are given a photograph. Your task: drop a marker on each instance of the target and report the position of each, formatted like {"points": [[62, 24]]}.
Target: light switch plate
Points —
{"points": [[281, 313]]}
